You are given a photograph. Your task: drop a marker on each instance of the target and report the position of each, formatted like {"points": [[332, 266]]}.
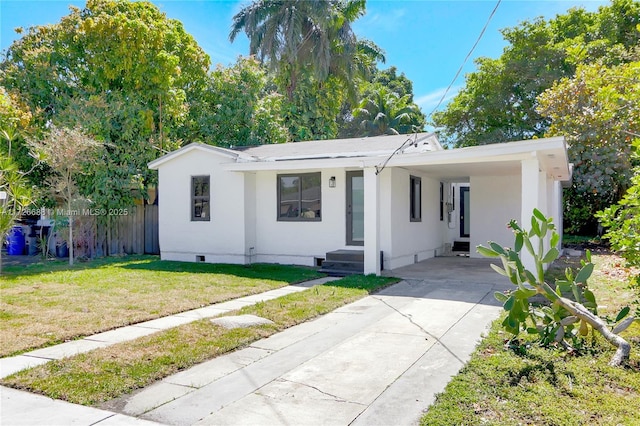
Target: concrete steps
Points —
{"points": [[460, 246], [339, 263]]}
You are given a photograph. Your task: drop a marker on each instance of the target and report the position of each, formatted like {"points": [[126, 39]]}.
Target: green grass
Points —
{"points": [[504, 385], [109, 373], [581, 239], [45, 304]]}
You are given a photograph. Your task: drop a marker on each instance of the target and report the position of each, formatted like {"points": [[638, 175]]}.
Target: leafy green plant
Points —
{"points": [[67, 152], [565, 321], [16, 195], [622, 220]]}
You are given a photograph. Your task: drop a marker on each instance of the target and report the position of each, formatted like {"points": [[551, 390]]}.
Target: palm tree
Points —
{"points": [[385, 113], [297, 36]]}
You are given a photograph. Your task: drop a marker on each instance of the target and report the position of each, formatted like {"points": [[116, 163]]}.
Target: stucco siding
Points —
{"points": [[299, 242], [386, 216], [244, 226], [495, 200], [222, 238], [413, 241]]}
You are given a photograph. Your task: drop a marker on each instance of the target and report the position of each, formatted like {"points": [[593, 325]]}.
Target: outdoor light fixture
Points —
{"points": [[332, 182], [3, 197]]}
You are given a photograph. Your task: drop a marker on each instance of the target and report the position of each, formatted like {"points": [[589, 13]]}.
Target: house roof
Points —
{"points": [[493, 160], [454, 164], [344, 148], [420, 151]]}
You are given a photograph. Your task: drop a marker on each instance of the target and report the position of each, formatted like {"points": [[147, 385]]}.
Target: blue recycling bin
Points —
{"points": [[15, 241]]}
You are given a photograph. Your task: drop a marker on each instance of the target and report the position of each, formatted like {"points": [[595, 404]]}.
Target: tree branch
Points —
{"points": [[624, 348]]}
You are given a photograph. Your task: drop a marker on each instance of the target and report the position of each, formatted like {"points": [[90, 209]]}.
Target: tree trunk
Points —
{"points": [[624, 348], [160, 125], [70, 235], [291, 87]]}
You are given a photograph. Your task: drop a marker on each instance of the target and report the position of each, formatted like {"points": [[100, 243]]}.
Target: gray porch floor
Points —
{"points": [[452, 269]]}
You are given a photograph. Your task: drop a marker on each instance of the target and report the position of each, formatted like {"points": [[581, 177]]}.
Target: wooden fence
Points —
{"points": [[132, 232]]}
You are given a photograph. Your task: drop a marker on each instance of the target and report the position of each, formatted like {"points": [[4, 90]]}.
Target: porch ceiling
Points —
{"points": [[462, 172], [491, 160]]}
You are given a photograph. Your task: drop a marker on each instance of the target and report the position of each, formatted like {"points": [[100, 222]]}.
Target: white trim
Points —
{"points": [[552, 153], [155, 164]]}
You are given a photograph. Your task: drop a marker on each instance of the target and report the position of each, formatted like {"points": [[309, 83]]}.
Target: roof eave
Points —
{"points": [[155, 164], [512, 151]]}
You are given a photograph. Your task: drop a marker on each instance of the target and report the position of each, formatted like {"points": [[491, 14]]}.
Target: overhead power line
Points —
{"points": [[380, 168], [444, 95]]}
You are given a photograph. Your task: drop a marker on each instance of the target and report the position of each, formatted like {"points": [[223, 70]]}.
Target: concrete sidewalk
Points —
{"points": [[380, 360], [19, 408]]}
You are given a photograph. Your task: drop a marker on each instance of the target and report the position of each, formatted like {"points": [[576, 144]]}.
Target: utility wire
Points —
{"points": [[444, 95], [384, 164], [380, 168]]}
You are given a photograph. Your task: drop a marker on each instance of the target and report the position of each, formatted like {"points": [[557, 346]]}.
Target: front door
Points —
{"points": [[464, 212], [355, 208]]}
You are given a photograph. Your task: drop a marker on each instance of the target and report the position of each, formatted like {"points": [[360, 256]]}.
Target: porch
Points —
{"points": [[452, 269]]}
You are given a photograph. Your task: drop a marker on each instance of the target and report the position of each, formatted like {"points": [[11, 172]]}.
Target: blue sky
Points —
{"points": [[425, 39]]}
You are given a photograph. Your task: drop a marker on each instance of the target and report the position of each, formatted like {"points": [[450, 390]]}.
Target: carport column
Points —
{"points": [[530, 200], [371, 222]]}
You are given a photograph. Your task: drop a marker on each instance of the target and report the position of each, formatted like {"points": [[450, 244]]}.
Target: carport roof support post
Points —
{"points": [[530, 200], [371, 221]]}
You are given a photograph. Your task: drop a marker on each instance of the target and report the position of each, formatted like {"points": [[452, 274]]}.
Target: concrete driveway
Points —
{"points": [[380, 360]]}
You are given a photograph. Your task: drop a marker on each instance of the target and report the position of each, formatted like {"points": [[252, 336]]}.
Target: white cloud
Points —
{"points": [[388, 22], [429, 101]]}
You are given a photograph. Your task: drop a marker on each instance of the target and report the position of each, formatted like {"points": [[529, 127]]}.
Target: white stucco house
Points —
{"points": [[395, 199]]}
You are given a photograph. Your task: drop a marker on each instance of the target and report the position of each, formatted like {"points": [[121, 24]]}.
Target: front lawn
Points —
{"points": [[108, 373], [528, 385], [45, 304]]}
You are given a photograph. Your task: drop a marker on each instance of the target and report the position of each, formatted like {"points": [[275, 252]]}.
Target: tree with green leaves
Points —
{"points": [[499, 101], [68, 152], [389, 80], [598, 111], [385, 113], [124, 72], [314, 54], [237, 107], [298, 37], [15, 121], [622, 220]]}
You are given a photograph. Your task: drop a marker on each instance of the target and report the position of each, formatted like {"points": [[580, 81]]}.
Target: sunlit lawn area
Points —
{"points": [[108, 373], [49, 303], [536, 386]]}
